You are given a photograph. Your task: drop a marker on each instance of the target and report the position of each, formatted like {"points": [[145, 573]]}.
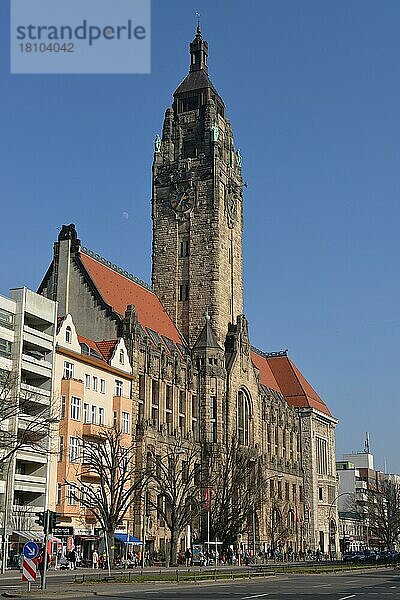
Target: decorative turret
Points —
{"points": [[198, 52]]}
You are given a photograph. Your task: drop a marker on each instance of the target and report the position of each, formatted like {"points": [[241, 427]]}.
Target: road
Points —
{"points": [[375, 586], [383, 584]]}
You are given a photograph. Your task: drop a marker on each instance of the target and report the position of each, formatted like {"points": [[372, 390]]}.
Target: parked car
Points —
{"points": [[388, 556], [371, 555], [355, 557]]}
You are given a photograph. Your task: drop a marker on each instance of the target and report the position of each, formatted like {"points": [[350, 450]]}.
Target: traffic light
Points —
{"points": [[41, 517], [53, 520]]}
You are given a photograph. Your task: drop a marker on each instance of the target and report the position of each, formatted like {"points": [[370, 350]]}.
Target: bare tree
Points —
{"points": [[175, 488], [383, 512], [34, 418], [236, 484], [107, 479], [279, 528]]}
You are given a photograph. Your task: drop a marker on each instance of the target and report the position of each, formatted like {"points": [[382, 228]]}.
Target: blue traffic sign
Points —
{"points": [[31, 550]]}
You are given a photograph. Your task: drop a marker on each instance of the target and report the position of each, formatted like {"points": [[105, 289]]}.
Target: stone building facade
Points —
{"points": [[195, 373]]}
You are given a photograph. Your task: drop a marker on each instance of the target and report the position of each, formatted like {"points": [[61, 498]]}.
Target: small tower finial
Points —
{"points": [[207, 316], [198, 31]]}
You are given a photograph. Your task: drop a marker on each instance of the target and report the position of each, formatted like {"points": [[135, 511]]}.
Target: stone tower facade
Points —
{"points": [[197, 207]]}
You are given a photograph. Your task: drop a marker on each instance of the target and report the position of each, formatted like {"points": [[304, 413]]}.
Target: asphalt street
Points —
{"points": [[382, 584], [336, 587]]}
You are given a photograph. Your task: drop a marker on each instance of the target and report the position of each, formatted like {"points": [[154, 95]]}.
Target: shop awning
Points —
{"points": [[34, 536], [126, 538], [28, 535]]}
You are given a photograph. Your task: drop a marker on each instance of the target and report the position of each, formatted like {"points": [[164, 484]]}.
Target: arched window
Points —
{"points": [[68, 334], [291, 520], [121, 357], [243, 418]]}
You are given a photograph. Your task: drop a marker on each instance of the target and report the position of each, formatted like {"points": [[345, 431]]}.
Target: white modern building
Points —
{"points": [[27, 354], [356, 475]]}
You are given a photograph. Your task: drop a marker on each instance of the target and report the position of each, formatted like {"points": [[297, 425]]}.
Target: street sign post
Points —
{"points": [[29, 562], [29, 570]]}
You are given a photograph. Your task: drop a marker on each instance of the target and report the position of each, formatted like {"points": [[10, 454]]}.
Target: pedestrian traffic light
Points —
{"points": [[54, 519], [40, 519]]}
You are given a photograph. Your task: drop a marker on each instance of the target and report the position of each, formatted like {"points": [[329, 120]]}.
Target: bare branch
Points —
{"points": [[175, 487], [106, 478]]}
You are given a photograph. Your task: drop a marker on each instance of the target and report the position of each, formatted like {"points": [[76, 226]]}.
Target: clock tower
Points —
{"points": [[197, 207]]}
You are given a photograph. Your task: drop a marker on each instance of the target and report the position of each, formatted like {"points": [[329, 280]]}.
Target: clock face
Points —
{"points": [[182, 201]]}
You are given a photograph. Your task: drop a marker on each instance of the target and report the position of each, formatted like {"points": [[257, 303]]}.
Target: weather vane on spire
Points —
{"points": [[198, 22]]}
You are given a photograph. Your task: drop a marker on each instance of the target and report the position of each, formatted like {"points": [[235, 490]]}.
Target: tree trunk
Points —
{"points": [[110, 547], [173, 550]]}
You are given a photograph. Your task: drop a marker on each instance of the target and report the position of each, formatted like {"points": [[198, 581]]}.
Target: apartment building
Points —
{"points": [[27, 350], [357, 477], [93, 383]]}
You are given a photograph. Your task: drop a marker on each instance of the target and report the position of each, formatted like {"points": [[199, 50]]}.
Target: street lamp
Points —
{"points": [[329, 519]]}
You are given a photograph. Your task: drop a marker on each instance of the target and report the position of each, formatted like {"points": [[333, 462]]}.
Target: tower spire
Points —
{"points": [[198, 50]]}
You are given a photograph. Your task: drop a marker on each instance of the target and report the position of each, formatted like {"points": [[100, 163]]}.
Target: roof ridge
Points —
{"points": [[270, 354], [116, 268]]}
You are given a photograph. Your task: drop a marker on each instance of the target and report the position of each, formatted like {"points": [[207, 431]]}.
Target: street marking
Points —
{"points": [[256, 596], [345, 597]]}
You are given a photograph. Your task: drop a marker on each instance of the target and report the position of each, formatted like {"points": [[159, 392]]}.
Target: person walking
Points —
{"points": [[72, 559], [95, 559], [188, 557], [40, 564]]}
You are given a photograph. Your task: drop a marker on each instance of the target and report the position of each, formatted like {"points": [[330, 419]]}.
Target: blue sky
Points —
{"points": [[312, 89]]}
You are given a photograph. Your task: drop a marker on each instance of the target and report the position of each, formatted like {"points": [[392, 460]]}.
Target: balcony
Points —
{"points": [[38, 337], [24, 481], [361, 486], [35, 423], [361, 496], [41, 367], [91, 430], [35, 393], [30, 455], [29, 509], [88, 474], [30, 484]]}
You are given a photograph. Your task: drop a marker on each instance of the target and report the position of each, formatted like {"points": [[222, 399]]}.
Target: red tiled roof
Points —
{"points": [[267, 378], [103, 349], [119, 291], [294, 386], [106, 347], [92, 345]]}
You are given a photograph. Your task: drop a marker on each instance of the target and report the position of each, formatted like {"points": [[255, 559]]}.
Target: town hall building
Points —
{"points": [[192, 369]]}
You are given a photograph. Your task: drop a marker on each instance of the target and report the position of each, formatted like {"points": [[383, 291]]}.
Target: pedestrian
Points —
{"points": [[188, 557], [40, 563], [95, 559], [72, 559]]}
